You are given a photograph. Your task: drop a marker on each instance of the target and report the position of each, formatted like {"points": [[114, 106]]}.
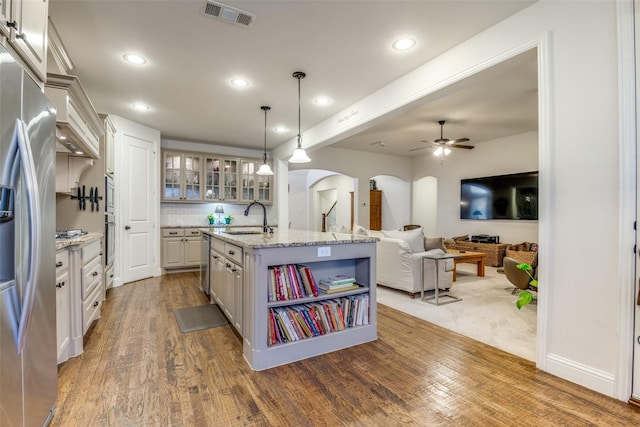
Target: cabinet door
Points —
{"points": [[263, 188], [216, 274], [213, 182], [248, 181], [172, 176], [30, 38], [109, 141], [238, 298], [192, 249], [5, 11], [63, 310], [172, 252], [228, 305], [230, 173], [192, 171]]}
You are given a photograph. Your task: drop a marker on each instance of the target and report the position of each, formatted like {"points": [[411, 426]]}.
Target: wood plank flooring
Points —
{"points": [[138, 369]]}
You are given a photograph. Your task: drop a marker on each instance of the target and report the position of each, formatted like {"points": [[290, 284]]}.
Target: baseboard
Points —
{"points": [[583, 375]]}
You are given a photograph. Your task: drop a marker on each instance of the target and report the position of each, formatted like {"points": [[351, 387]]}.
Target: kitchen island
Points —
{"points": [[263, 284]]}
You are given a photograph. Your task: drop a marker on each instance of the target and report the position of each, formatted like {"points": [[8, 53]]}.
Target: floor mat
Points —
{"points": [[200, 317]]}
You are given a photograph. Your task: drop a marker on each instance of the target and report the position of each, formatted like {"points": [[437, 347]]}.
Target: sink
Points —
{"points": [[242, 232]]}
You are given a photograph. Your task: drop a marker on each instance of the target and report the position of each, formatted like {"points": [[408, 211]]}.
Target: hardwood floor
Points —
{"points": [[138, 369]]}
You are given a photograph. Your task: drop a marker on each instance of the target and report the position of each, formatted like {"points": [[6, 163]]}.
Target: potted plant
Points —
{"points": [[228, 219], [211, 218], [526, 296]]}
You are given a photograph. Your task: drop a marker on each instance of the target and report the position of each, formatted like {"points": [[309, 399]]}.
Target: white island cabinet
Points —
{"points": [[266, 342]]}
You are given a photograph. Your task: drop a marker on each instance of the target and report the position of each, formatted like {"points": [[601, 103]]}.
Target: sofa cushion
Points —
{"points": [[414, 238], [434, 243]]}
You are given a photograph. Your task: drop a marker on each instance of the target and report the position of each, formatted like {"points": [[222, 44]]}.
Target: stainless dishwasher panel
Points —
{"points": [[204, 264]]}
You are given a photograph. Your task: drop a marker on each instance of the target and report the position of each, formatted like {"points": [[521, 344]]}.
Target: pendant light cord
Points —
{"points": [[264, 156], [299, 75]]}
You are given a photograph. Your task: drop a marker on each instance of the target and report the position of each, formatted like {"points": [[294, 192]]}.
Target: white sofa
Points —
{"points": [[398, 258]]}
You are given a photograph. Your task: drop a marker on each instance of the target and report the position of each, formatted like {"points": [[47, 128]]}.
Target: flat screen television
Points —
{"points": [[512, 196]]}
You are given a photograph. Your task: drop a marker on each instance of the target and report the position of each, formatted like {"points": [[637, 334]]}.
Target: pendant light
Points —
{"points": [[299, 155], [265, 169]]}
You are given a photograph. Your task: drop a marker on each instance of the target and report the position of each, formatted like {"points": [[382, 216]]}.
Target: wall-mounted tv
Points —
{"points": [[512, 196]]}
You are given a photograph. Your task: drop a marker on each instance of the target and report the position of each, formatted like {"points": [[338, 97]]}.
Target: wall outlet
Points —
{"points": [[324, 251]]}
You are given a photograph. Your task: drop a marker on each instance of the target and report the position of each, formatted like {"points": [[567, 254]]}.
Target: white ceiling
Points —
{"points": [[344, 47]]}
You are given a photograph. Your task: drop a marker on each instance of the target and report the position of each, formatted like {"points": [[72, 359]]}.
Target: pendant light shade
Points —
{"points": [[299, 155], [265, 169]]}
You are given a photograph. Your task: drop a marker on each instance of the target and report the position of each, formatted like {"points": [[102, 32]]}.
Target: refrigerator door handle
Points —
{"points": [[35, 237]]}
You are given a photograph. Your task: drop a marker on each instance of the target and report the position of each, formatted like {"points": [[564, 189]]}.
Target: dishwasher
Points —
{"points": [[204, 264]]}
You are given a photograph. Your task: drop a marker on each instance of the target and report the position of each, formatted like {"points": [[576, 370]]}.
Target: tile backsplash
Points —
{"points": [[184, 214]]}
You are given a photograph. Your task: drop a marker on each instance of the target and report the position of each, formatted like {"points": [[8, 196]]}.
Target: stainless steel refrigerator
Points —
{"points": [[28, 370]]}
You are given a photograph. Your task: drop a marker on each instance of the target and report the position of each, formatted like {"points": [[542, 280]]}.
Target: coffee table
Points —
{"points": [[468, 257]]}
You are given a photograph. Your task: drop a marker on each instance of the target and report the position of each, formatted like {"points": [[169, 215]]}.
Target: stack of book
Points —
{"points": [[337, 283], [291, 281]]}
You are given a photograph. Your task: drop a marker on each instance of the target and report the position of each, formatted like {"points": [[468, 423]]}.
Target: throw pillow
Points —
{"points": [[414, 238], [359, 230], [434, 243]]}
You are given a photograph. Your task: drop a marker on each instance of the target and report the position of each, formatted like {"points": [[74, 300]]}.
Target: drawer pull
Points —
{"points": [[60, 285], [95, 304], [59, 264], [95, 273], [173, 232], [232, 252], [111, 276]]}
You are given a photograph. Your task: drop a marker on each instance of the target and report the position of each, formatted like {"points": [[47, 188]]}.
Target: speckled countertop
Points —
{"points": [[214, 226], [80, 240], [282, 238]]}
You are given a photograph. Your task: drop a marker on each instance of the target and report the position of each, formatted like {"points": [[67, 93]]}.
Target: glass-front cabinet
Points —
{"points": [[182, 177], [221, 179], [252, 186]]}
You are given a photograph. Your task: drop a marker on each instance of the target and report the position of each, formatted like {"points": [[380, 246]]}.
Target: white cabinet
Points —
{"points": [[68, 171], [252, 186], [63, 305], [109, 144], [91, 283], [221, 179], [77, 120], [226, 280], [24, 22], [181, 177], [181, 247]]}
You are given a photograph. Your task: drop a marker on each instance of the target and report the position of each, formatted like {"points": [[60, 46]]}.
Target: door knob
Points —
{"points": [[126, 227]]}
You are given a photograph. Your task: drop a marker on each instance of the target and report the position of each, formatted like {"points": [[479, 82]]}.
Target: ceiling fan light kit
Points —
{"points": [[299, 155], [443, 145]]}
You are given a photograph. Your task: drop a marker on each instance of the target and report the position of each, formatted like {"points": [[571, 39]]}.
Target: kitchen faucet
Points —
{"points": [[265, 228]]}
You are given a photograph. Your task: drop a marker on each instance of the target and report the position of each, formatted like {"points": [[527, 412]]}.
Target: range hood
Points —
{"points": [[78, 127]]}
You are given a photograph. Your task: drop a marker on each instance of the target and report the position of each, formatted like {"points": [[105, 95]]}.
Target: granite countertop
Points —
{"points": [[282, 238], [79, 240], [214, 226]]}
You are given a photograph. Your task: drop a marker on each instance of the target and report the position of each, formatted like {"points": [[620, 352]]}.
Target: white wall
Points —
{"points": [[579, 140], [425, 205], [396, 201], [342, 185], [518, 153]]}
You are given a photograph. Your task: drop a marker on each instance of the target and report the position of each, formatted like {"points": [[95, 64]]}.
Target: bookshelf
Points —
{"points": [[352, 259]]}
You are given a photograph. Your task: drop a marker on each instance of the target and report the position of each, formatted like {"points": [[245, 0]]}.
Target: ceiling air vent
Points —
{"points": [[227, 13]]}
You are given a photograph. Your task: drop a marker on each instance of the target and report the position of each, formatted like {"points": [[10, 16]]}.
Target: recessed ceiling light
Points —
{"points": [[134, 59], [280, 129], [240, 82], [322, 100], [62, 137], [404, 44], [138, 106], [79, 152]]}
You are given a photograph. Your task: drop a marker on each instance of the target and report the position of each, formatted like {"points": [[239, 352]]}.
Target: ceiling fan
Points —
{"points": [[442, 144]]}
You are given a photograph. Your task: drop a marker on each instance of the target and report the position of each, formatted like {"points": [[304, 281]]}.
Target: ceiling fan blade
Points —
{"points": [[468, 147], [455, 141], [416, 149]]}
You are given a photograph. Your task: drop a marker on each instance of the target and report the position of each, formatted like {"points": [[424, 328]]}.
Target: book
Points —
{"points": [[341, 288], [338, 279]]}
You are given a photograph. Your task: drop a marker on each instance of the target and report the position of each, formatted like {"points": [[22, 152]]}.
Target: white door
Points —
{"points": [[138, 200], [635, 392]]}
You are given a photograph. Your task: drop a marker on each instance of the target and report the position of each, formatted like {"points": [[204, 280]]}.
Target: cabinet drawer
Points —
{"points": [[91, 276], [108, 277], [233, 253], [217, 245], [191, 232], [91, 310], [172, 232], [90, 251], [62, 261]]}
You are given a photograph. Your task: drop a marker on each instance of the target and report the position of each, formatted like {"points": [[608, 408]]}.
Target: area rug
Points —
{"points": [[487, 312], [200, 317]]}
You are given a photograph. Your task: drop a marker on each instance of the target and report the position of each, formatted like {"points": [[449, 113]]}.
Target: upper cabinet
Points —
{"points": [[24, 23], [109, 141], [254, 187], [181, 177], [79, 127], [207, 178], [221, 175]]}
